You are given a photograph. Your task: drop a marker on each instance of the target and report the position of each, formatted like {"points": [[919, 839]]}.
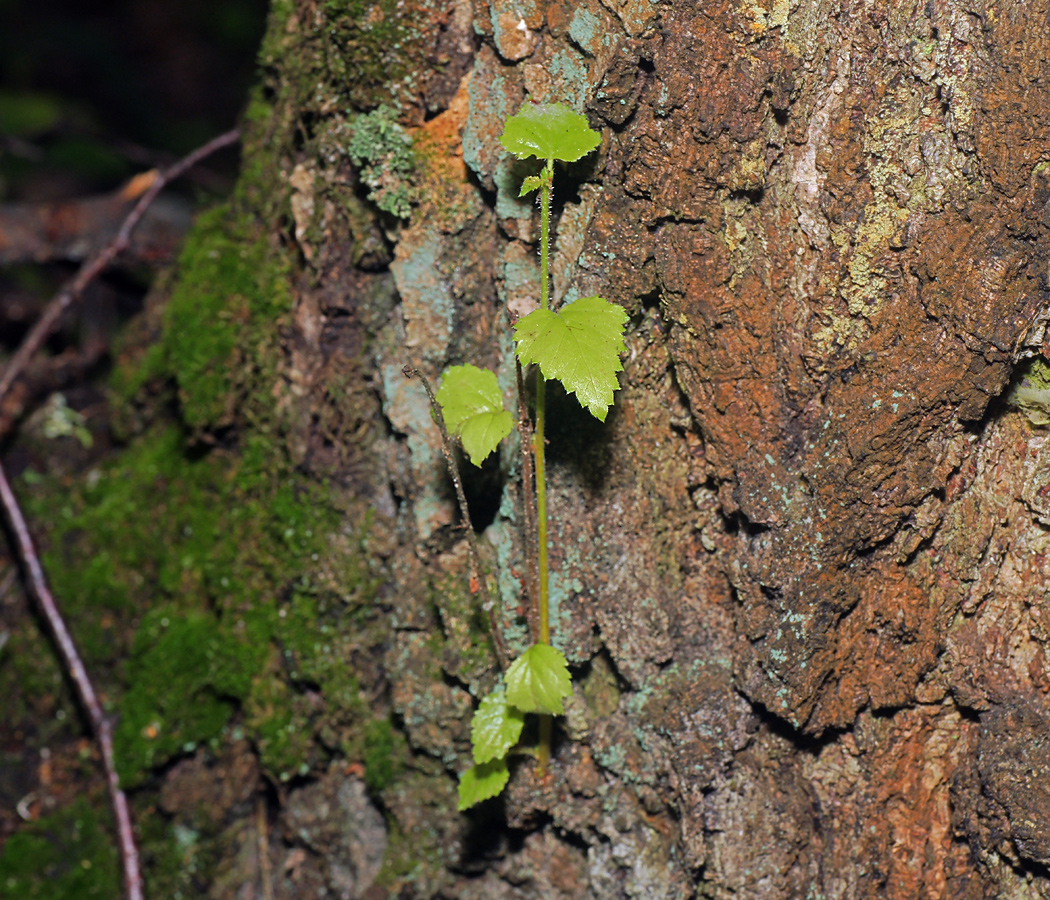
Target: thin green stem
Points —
{"points": [[546, 190], [541, 410], [541, 513], [544, 749]]}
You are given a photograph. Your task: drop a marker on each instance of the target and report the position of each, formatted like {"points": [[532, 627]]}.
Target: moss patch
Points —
{"points": [[68, 855], [219, 336], [384, 754], [370, 47]]}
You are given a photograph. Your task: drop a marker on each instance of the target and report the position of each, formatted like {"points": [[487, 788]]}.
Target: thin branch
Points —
{"points": [[476, 577], [528, 504], [85, 690], [94, 266], [263, 847], [62, 301]]}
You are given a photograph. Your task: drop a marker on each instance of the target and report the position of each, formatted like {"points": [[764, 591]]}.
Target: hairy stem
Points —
{"points": [[541, 409]]}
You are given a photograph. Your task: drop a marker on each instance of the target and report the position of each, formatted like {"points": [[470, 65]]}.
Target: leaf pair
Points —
{"points": [[472, 405], [537, 681], [579, 346]]}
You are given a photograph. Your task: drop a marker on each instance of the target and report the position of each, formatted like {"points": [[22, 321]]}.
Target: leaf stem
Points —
{"points": [[544, 636], [528, 503], [547, 188], [541, 411]]}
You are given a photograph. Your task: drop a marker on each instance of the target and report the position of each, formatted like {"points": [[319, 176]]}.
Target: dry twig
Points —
{"points": [[27, 551], [93, 267], [477, 578]]}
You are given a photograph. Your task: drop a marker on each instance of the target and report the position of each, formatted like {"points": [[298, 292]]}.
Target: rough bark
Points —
{"points": [[799, 573]]}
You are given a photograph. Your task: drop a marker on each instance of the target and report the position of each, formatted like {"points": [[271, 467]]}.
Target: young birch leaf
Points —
{"points": [[580, 346], [530, 184], [472, 404], [538, 680], [549, 131], [495, 728], [482, 782]]}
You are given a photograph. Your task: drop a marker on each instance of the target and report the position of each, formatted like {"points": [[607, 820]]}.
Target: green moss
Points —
{"points": [[219, 332], [280, 726], [369, 47], [383, 752], [214, 588], [170, 706], [208, 544], [67, 855], [317, 635]]}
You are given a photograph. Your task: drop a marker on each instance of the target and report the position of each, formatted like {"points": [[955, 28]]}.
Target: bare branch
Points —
{"points": [[93, 267], [85, 690], [65, 298]]}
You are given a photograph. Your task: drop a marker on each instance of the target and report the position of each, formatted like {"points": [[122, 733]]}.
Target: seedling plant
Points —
{"points": [[579, 346]]}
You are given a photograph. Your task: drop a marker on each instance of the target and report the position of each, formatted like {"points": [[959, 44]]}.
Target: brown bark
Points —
{"points": [[798, 572], [799, 577]]}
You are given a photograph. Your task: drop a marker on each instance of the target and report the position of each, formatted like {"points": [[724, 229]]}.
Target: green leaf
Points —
{"points": [[530, 184], [495, 728], [580, 346], [472, 405], [549, 131], [482, 782], [538, 680]]}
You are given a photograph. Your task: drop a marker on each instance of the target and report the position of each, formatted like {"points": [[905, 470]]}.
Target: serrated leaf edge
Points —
{"points": [[527, 663], [600, 408], [509, 709], [500, 768]]}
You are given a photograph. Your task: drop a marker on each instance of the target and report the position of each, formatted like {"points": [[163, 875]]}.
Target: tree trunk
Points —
{"points": [[798, 573]]}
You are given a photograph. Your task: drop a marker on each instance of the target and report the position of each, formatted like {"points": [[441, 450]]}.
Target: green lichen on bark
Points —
{"points": [[383, 150], [1030, 391]]}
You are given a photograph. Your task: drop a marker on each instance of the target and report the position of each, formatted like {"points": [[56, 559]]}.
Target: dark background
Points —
{"points": [[91, 92], [90, 95]]}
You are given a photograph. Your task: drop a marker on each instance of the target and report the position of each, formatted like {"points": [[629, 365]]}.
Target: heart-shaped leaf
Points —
{"points": [[495, 728], [549, 131], [538, 680], [482, 782], [580, 346], [472, 405]]}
